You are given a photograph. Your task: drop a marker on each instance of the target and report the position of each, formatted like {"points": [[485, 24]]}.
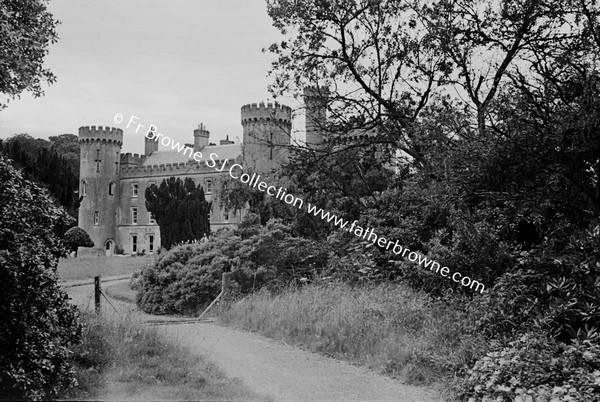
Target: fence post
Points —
{"points": [[97, 292], [225, 296]]}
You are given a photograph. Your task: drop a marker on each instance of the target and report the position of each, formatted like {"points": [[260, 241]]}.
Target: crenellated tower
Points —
{"points": [[267, 134], [100, 151]]}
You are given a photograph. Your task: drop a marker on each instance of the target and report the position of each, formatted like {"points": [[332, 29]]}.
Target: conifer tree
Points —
{"points": [[180, 209]]}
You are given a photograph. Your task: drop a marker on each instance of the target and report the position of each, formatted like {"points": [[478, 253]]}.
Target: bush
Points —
{"points": [[37, 323], [534, 367], [550, 290], [188, 277], [77, 237]]}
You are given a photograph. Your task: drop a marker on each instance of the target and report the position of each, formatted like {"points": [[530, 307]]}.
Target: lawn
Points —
{"points": [[89, 267], [120, 291]]}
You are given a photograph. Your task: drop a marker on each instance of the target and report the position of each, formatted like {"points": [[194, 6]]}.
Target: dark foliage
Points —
{"points": [[77, 237], [180, 210], [52, 164], [37, 322]]}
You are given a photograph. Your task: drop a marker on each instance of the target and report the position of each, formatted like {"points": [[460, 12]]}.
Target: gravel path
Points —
{"points": [[283, 372]]}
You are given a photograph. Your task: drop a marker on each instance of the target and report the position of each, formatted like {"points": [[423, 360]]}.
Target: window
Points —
{"points": [[226, 216], [134, 215], [111, 188], [151, 243], [208, 186], [83, 187], [96, 218], [151, 219], [134, 245], [135, 189]]}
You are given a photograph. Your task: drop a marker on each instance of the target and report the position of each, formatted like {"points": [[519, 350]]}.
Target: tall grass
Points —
{"points": [[387, 327], [120, 359]]}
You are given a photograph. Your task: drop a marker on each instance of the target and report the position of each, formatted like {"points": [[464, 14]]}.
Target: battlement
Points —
{"points": [[100, 133], [168, 169], [274, 112], [131, 159]]}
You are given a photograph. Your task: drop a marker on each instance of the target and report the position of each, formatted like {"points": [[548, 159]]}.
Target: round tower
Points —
{"points": [[100, 151], [315, 102], [267, 134]]}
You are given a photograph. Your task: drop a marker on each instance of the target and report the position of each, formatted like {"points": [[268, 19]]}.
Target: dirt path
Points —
{"points": [[281, 371]]}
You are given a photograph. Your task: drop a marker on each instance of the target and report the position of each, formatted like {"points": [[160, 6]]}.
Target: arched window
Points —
{"points": [[83, 187], [111, 188]]}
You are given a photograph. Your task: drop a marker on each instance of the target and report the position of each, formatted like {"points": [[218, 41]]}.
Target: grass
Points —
{"points": [[121, 360], [121, 291], [89, 267], [386, 327]]}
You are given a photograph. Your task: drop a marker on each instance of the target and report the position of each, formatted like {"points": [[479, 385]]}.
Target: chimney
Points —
{"points": [[201, 135], [150, 144], [226, 141]]}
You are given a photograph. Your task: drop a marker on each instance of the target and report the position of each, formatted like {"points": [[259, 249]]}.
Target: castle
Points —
{"points": [[112, 184]]}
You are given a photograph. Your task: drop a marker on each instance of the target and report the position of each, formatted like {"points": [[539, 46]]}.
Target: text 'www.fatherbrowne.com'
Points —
{"points": [[236, 171]]}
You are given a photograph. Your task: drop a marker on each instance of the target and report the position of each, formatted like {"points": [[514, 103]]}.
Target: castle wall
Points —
{"points": [[143, 177], [110, 178]]}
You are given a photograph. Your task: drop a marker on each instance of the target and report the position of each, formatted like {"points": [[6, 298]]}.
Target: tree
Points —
{"points": [[67, 146], [46, 163], [77, 237], [180, 209], [27, 29], [374, 56], [37, 322]]}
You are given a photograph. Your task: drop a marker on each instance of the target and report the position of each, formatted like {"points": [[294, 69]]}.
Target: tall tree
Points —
{"points": [[180, 209], [27, 29]]}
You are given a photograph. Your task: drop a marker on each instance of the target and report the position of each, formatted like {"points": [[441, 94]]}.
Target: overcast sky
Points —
{"points": [[171, 63]]}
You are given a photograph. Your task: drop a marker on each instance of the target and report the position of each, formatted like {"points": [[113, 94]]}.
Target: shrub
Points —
{"points": [[37, 323], [119, 250], [188, 277], [77, 237], [550, 290], [535, 367]]}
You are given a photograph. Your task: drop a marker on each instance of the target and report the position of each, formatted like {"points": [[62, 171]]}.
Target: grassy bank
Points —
{"points": [[121, 360], [389, 328]]}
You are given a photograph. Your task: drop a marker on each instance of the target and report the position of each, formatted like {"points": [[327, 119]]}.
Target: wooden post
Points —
{"points": [[225, 285], [97, 293]]}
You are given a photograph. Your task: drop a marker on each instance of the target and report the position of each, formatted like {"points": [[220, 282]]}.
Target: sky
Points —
{"points": [[172, 63]]}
